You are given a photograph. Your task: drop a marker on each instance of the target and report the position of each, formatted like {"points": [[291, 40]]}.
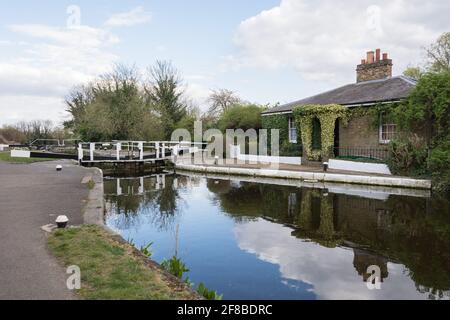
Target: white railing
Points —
{"points": [[133, 150]]}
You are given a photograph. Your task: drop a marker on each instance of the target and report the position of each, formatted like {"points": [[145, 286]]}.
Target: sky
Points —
{"points": [[267, 51]]}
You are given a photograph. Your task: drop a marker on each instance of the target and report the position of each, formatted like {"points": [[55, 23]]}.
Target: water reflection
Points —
{"points": [[321, 242]]}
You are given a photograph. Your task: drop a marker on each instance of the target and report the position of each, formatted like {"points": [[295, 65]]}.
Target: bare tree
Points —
{"points": [[221, 100]]}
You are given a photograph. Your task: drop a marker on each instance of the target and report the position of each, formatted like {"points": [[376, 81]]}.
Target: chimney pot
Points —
{"points": [[369, 69], [370, 57]]}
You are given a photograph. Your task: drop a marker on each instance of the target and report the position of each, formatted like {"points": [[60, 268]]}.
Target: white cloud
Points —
{"points": [[329, 270], [48, 66], [15, 108], [325, 39], [199, 94], [134, 17]]}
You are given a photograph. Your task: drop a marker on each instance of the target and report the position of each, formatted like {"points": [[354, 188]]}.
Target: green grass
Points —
{"points": [[110, 270], [6, 156]]}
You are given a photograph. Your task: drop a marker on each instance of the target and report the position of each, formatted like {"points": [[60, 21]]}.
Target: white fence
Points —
{"points": [[20, 154], [133, 150]]}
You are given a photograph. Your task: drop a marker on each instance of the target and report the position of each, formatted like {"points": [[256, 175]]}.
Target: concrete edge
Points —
{"points": [[397, 182], [94, 210]]}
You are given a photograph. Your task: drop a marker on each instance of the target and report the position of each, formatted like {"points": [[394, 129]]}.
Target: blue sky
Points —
{"points": [[268, 51]]}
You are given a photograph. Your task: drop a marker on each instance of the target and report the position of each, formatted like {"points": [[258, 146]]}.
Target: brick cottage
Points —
{"points": [[365, 134]]}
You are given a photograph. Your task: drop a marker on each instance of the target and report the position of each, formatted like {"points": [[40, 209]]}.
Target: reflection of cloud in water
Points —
{"points": [[330, 271]]}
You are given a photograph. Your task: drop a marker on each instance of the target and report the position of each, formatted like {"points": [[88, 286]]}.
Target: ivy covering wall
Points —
{"points": [[327, 116]]}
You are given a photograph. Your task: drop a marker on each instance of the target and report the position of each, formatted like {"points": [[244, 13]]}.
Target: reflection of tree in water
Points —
{"points": [[158, 205], [412, 231], [245, 200]]}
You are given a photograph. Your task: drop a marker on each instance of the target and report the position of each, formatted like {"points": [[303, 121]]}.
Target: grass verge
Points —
{"points": [[112, 270], [6, 156]]}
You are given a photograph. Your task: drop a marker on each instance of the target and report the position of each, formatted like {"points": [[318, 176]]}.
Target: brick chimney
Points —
{"points": [[374, 68]]}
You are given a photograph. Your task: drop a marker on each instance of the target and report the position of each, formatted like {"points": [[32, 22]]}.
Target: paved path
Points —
{"points": [[32, 196]]}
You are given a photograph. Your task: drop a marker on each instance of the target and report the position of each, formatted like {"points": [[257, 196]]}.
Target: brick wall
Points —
{"points": [[359, 133]]}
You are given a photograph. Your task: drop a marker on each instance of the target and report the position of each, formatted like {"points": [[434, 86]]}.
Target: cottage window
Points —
{"points": [[388, 129], [292, 131]]}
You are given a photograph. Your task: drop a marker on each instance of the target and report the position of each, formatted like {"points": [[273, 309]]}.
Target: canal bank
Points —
{"points": [[31, 197], [299, 173]]}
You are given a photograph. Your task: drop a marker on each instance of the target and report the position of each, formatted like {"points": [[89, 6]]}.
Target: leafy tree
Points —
{"points": [[427, 110], [413, 73], [241, 117], [164, 92], [113, 108], [428, 107], [439, 54]]}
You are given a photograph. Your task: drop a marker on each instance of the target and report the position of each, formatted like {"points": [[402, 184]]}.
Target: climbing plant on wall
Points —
{"points": [[281, 122], [327, 115], [373, 112]]}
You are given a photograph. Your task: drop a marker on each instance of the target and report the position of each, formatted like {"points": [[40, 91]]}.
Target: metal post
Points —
{"points": [[163, 150], [118, 149], [141, 150], [91, 151], [157, 149], [80, 152], [119, 188]]}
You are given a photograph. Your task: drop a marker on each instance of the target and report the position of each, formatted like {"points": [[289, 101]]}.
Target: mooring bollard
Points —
{"points": [[325, 166], [62, 221], [59, 167]]}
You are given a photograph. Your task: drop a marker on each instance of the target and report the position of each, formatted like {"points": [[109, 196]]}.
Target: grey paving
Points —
{"points": [[32, 196]]}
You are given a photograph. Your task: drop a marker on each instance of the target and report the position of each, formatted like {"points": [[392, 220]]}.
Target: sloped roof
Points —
{"points": [[363, 93]]}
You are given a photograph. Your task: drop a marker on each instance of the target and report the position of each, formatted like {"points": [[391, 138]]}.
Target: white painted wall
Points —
{"points": [[379, 168], [20, 154], [235, 153]]}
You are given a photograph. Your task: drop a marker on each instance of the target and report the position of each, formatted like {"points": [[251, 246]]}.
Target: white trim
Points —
{"points": [[379, 168], [291, 122], [363, 179], [275, 113], [235, 153], [380, 130], [367, 104]]}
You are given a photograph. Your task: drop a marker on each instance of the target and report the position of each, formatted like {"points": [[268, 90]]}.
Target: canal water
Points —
{"points": [[275, 239]]}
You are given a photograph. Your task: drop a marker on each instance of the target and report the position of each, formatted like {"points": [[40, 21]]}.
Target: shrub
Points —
{"points": [[407, 156], [439, 164], [175, 266]]}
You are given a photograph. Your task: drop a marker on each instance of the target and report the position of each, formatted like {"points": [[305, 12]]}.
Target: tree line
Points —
{"points": [[122, 105]]}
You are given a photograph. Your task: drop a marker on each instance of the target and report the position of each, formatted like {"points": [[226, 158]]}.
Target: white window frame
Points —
{"points": [[382, 124], [292, 127]]}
